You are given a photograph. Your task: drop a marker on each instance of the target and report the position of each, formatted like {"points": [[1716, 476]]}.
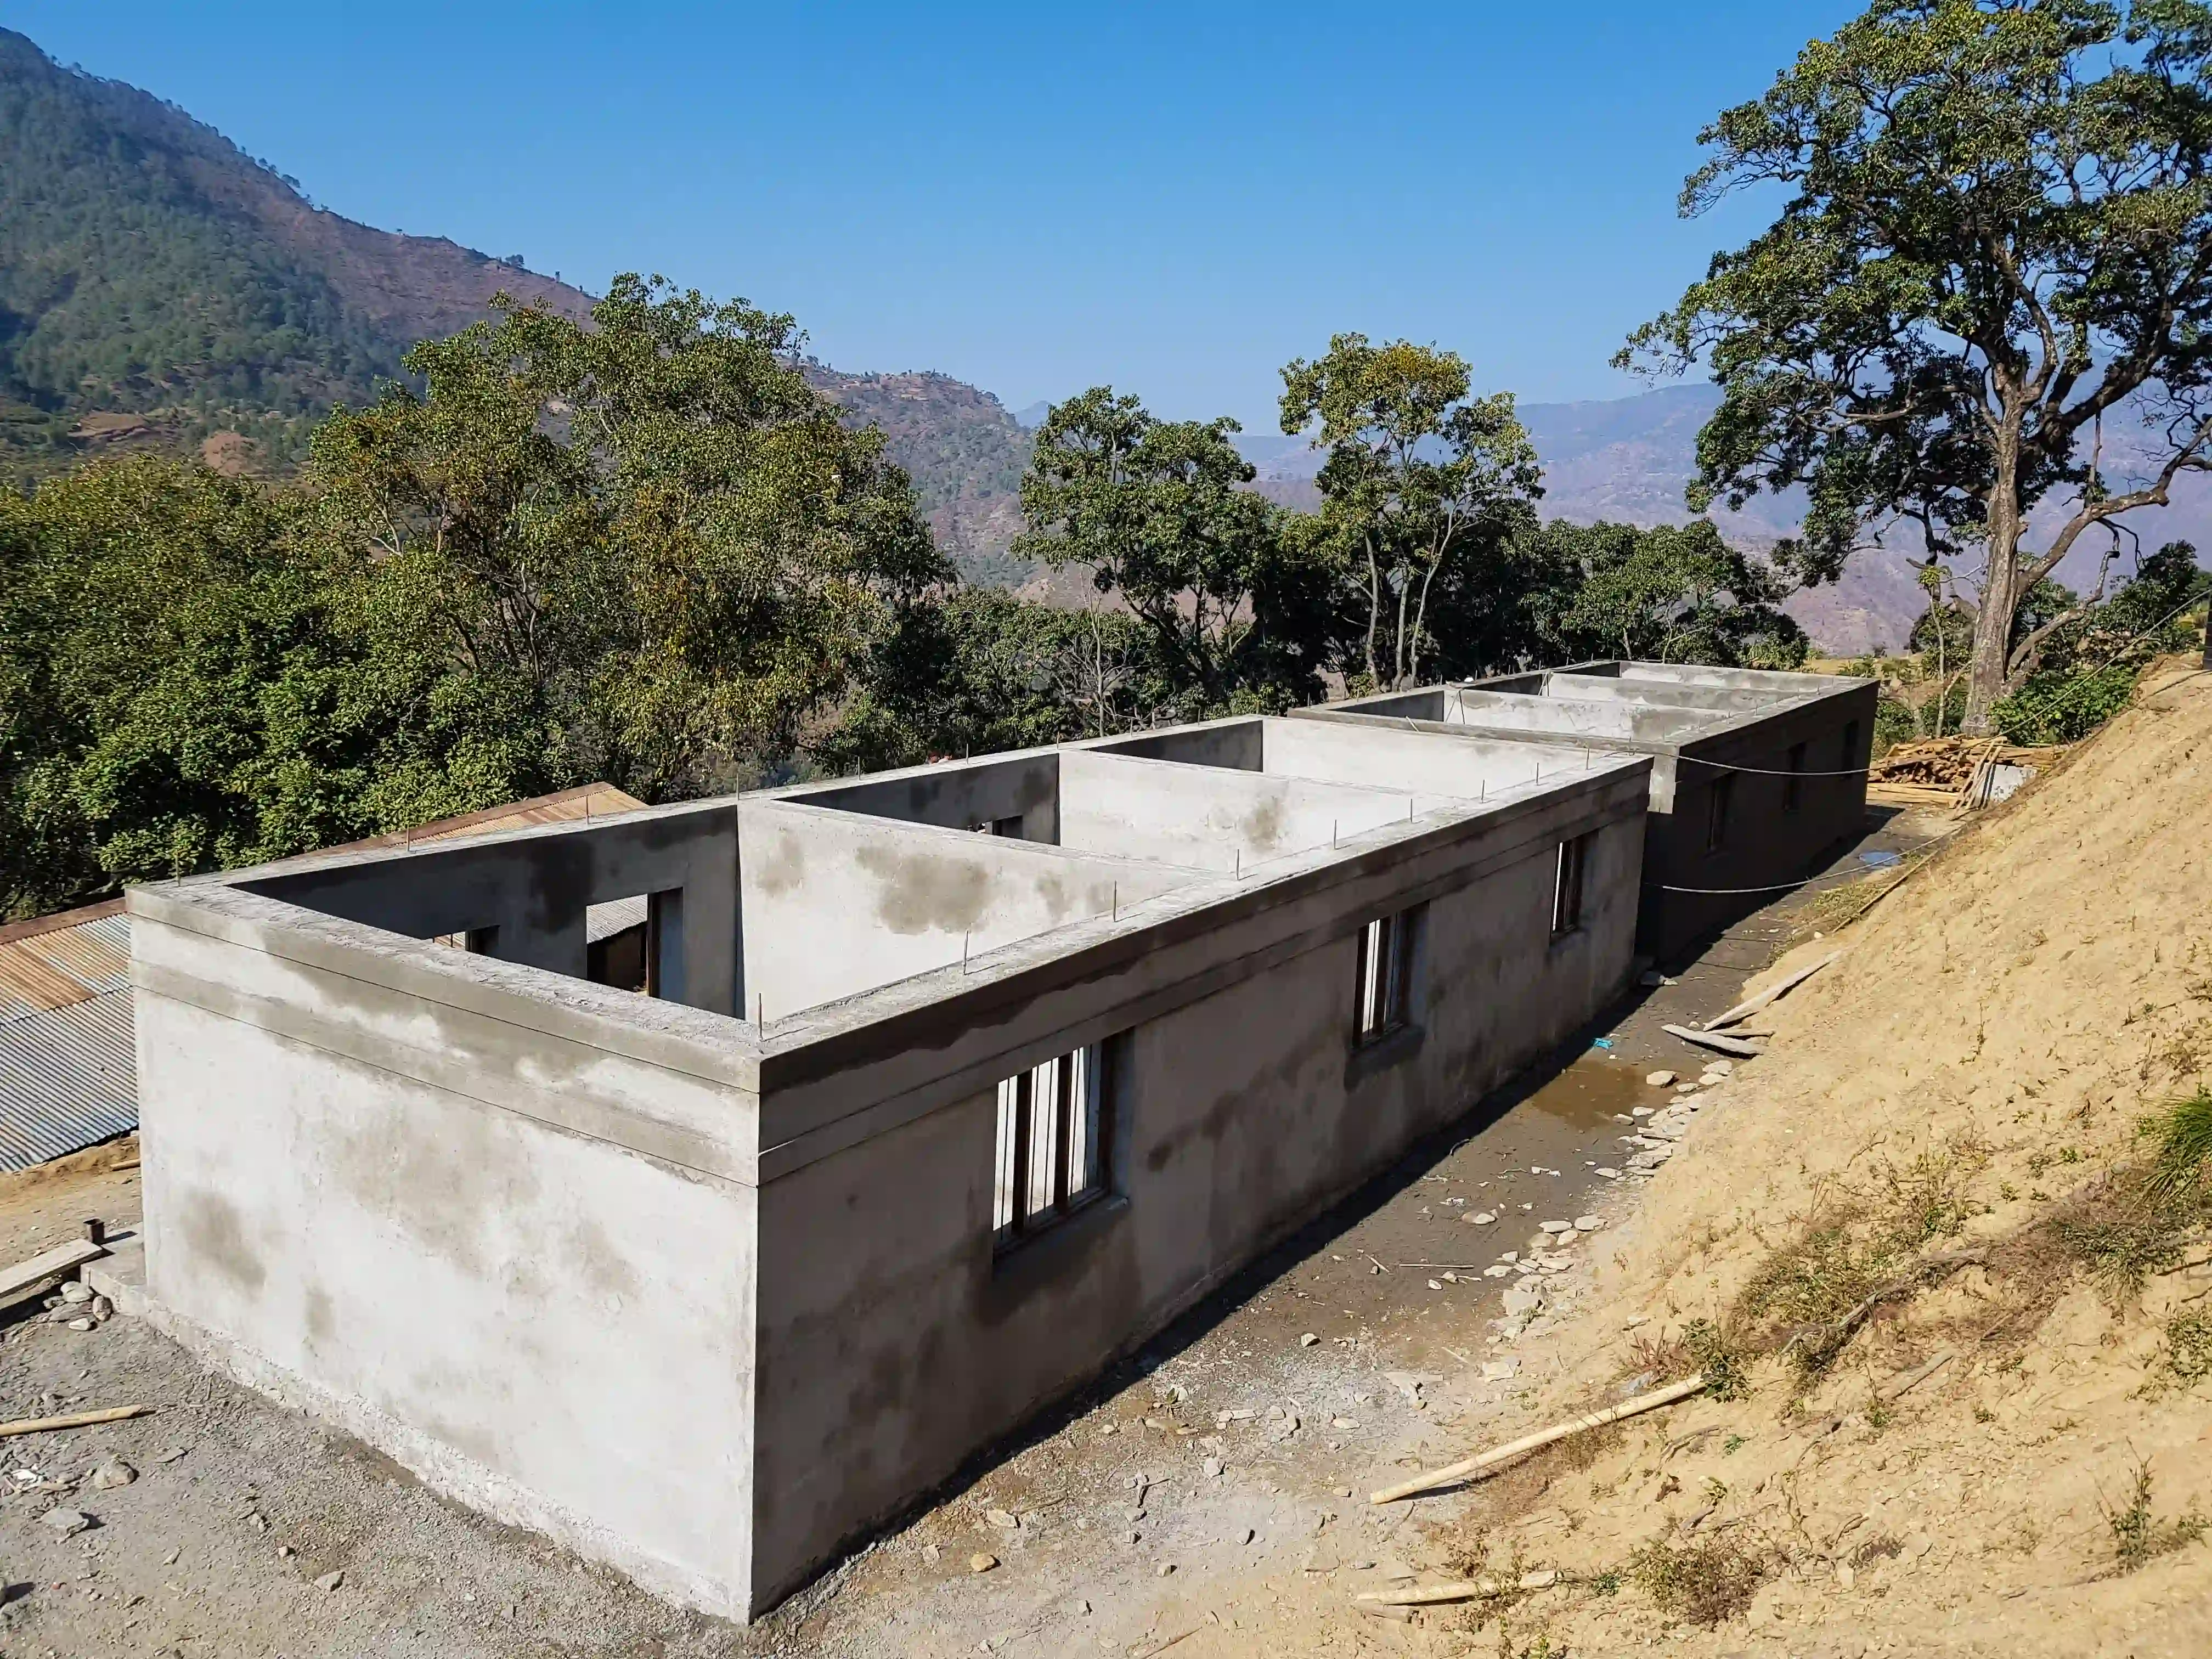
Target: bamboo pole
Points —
{"points": [[74, 1420], [1636, 1407]]}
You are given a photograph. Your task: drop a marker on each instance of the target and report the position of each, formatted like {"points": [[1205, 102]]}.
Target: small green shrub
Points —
{"points": [[1717, 1359], [2189, 1347], [2182, 1153], [2139, 1537], [2064, 708]]}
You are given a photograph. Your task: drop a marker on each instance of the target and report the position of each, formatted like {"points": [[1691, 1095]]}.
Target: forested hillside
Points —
{"points": [[149, 268]]}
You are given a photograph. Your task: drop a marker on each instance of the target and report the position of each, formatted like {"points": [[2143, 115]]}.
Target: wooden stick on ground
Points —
{"points": [[1636, 1407], [1780, 988], [1913, 1378], [1727, 1045], [74, 1420], [1460, 1590]]}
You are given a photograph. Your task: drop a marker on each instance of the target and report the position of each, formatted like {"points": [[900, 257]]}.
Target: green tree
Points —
{"points": [[651, 537], [1418, 474], [1159, 512], [187, 682], [1670, 593], [1998, 231], [977, 671]]}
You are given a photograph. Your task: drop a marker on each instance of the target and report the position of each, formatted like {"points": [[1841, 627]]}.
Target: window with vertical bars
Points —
{"points": [[1052, 1144], [1717, 802], [1382, 991], [1567, 885]]}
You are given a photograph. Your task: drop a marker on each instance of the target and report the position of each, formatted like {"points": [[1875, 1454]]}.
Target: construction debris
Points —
{"points": [[1476, 1465], [1781, 987], [1462, 1589], [1952, 772], [1727, 1045]]}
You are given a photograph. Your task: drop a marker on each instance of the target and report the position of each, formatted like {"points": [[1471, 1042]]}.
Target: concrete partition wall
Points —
{"points": [[1663, 694], [965, 794], [1474, 769], [891, 1352], [840, 903], [1212, 818], [1567, 717], [495, 1224], [529, 889]]}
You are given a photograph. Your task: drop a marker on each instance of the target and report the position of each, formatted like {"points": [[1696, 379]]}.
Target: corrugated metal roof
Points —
{"points": [[605, 920], [69, 1078], [69, 964]]}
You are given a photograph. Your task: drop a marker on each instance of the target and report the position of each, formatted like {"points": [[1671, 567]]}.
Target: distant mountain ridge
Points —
{"points": [[160, 287]]}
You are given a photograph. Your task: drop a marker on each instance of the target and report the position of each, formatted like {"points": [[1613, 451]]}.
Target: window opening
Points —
{"points": [[1793, 786], [1385, 961], [1051, 1148], [1716, 813], [1567, 885]]}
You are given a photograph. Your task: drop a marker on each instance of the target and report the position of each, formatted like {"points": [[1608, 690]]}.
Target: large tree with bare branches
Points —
{"points": [[1996, 248]]}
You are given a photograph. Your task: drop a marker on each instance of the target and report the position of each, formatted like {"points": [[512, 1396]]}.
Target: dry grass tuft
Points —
{"points": [[1705, 1582]]}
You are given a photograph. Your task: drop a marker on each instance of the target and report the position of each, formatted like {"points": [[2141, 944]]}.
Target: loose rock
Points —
{"points": [[112, 1473], [1660, 1079], [331, 1581], [1589, 1223], [1001, 1520], [66, 1523], [1308, 1340], [75, 1292], [980, 1562]]}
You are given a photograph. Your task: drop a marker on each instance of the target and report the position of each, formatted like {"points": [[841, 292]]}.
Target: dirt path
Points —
{"points": [[1207, 1495]]}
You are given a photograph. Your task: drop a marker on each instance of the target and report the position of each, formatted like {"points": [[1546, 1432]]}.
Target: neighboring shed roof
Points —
{"points": [[67, 1075]]}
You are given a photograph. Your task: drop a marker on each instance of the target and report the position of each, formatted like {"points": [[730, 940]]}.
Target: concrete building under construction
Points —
{"points": [[950, 1086]]}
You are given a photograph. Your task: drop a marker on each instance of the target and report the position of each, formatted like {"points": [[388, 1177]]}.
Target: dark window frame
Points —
{"points": [[1719, 799], [1078, 1107], [1383, 982], [1793, 784], [1569, 877]]}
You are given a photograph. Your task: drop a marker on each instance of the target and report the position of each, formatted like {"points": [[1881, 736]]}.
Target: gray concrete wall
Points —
{"points": [[890, 1352], [953, 794], [1550, 716], [1476, 769], [1662, 694], [1691, 892], [838, 902], [1208, 817], [534, 885], [499, 1226], [1238, 744]]}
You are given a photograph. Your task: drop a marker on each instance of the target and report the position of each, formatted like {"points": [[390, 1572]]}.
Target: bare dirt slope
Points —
{"points": [[1950, 1112]]}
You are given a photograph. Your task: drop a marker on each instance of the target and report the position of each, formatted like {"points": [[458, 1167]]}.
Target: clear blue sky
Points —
{"points": [[1176, 199]]}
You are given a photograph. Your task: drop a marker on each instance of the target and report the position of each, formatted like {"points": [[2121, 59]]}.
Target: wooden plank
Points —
{"points": [[62, 1259], [1780, 988], [1727, 1045]]}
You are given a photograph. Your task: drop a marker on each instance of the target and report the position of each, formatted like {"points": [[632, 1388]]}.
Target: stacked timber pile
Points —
{"points": [[1950, 772]]}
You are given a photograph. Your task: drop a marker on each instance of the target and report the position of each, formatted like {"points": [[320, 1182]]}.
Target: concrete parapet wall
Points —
{"points": [[423, 1220]]}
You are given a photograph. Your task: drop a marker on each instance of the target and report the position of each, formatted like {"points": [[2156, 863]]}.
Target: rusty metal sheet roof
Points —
{"points": [[71, 964], [69, 1078]]}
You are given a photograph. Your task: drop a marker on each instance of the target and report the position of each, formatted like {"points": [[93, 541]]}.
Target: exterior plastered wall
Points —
{"points": [[1668, 711], [412, 1205], [894, 1344], [444, 1176]]}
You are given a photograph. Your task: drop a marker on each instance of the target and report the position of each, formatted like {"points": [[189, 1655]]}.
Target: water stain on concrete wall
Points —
{"points": [[214, 1235], [926, 894]]}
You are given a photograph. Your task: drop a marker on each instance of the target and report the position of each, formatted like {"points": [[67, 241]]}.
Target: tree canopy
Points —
{"points": [[1417, 474], [1994, 250]]}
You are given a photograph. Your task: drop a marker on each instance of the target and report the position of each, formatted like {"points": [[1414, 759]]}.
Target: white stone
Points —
{"points": [[1589, 1223], [1660, 1079], [1557, 1226], [1482, 1219]]}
